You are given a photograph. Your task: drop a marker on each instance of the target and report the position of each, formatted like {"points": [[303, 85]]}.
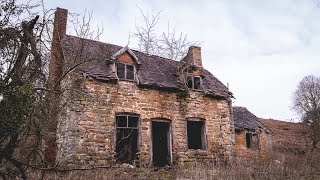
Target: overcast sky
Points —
{"points": [[262, 49]]}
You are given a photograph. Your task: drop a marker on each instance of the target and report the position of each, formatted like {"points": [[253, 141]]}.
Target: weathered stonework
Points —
{"points": [[252, 138], [86, 129], [241, 150], [100, 80]]}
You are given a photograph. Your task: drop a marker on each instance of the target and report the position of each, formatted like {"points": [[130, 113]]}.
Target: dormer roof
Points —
{"points": [[124, 50]]}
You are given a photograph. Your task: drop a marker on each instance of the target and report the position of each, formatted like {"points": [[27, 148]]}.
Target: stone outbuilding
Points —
{"points": [[252, 138], [120, 105]]}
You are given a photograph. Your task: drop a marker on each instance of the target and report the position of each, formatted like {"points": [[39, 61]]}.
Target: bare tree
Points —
{"points": [[25, 39], [306, 102], [168, 44], [82, 26], [146, 34], [23, 60], [174, 46]]}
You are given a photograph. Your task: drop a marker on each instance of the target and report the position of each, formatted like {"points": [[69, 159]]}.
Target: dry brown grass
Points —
{"points": [[277, 166], [287, 137], [289, 160], [106, 174]]}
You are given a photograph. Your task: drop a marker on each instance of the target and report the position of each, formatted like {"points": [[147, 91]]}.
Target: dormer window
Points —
{"points": [[194, 82], [125, 71], [125, 63]]}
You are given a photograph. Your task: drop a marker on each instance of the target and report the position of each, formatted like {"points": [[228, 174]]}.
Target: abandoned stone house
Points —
{"points": [[252, 138], [125, 106]]}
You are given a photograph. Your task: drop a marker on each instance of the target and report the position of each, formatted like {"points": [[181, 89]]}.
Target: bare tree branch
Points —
{"points": [[168, 44]]}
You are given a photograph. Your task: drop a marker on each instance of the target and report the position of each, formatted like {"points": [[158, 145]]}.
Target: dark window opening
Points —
{"points": [[125, 71], [130, 72], [127, 135], [121, 70], [194, 82], [188, 70], [161, 151], [189, 82], [133, 121], [252, 140], [196, 134]]}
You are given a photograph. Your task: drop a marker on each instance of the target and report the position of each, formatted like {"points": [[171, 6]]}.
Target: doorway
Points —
{"points": [[161, 143]]}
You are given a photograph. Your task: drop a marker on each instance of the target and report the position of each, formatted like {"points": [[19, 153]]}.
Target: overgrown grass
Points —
{"points": [[277, 166]]}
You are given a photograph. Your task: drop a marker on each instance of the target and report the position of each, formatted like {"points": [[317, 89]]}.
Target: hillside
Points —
{"points": [[287, 137]]}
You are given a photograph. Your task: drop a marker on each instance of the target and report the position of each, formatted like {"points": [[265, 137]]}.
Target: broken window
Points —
{"points": [[194, 82], [252, 140], [125, 71], [196, 134], [127, 136]]}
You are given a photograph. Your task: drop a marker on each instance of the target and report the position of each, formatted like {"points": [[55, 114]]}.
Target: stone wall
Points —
{"points": [[86, 129], [241, 150]]}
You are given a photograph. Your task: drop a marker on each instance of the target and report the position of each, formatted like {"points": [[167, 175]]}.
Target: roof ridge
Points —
{"points": [[97, 41], [154, 55], [240, 107]]}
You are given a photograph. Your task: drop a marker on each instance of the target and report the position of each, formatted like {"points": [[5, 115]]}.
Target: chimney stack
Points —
{"points": [[55, 73], [56, 62], [194, 56]]}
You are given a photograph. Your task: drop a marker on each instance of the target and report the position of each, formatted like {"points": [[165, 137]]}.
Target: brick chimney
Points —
{"points": [[55, 73], [57, 61], [194, 56]]}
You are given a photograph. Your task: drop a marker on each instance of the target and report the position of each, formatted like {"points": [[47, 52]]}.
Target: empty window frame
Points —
{"points": [[194, 82], [196, 134], [125, 71], [127, 137], [252, 140]]}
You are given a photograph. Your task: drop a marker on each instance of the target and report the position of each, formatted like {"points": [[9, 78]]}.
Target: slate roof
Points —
{"points": [[153, 71], [244, 119]]}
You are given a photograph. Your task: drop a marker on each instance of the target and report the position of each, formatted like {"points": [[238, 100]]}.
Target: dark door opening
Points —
{"points": [[161, 146]]}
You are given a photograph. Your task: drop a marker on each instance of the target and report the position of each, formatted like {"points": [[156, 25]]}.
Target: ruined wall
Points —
{"points": [[86, 130], [241, 150]]}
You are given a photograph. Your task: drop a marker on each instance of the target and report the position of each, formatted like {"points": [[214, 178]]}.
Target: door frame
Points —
{"points": [[169, 138]]}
